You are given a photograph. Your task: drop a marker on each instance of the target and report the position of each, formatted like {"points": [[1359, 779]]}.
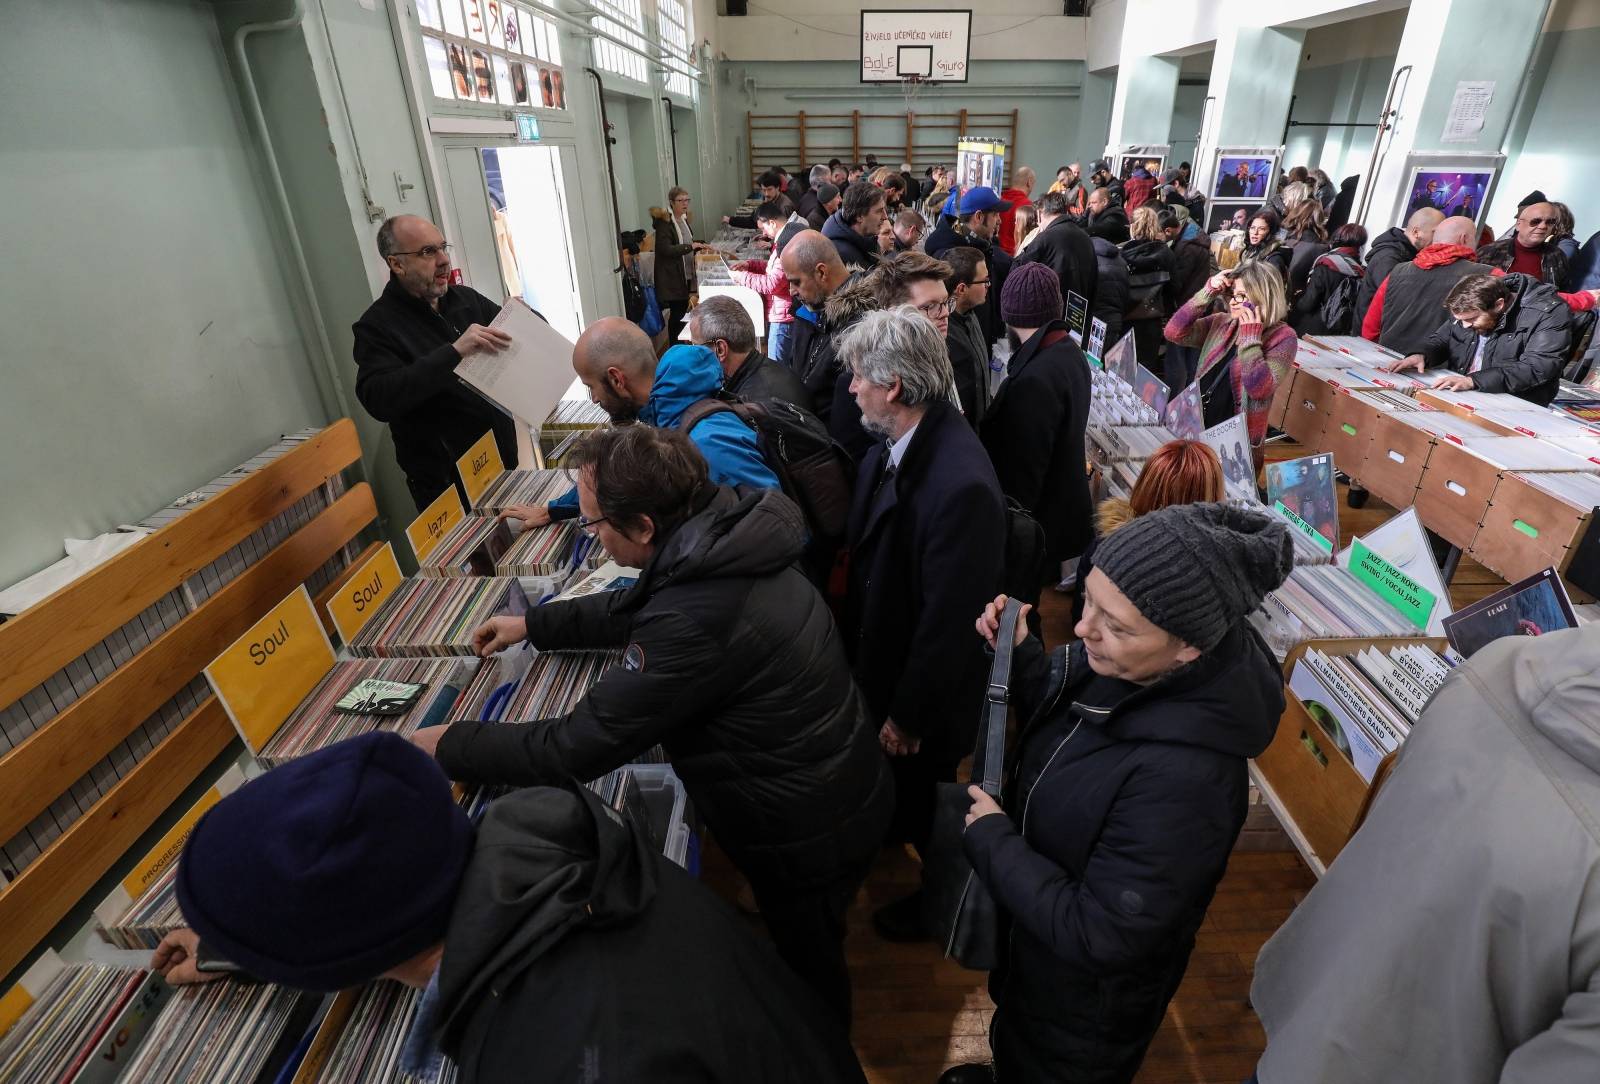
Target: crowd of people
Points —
{"points": [[814, 677]]}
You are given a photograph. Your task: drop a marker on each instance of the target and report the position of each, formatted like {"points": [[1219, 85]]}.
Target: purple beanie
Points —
{"points": [[1032, 296]]}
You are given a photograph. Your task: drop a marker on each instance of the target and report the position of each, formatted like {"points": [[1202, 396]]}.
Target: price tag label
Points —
{"points": [[363, 594], [264, 674], [1322, 540], [436, 521], [480, 466], [1408, 597]]}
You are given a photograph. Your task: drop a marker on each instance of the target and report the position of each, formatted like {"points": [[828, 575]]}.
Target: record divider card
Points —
{"points": [[480, 467], [436, 521], [265, 674], [365, 592], [329, 1030]]}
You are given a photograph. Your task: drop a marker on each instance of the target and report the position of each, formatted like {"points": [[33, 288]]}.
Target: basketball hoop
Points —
{"points": [[911, 88]]}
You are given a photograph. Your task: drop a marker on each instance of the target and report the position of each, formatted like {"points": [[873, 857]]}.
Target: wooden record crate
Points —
{"points": [[1280, 399], [1304, 775], [1348, 434], [1307, 413], [1527, 530], [1454, 494], [1395, 461], [1433, 400]]}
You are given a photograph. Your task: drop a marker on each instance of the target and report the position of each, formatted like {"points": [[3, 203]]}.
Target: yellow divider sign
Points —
{"points": [[163, 854], [265, 673], [363, 594], [480, 466], [428, 529]]}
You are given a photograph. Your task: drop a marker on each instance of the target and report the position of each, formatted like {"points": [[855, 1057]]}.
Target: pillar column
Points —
{"points": [[1445, 43], [1141, 110], [1252, 83], [1094, 116]]}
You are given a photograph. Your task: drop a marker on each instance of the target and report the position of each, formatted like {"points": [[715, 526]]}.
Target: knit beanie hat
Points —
{"points": [[1031, 297], [330, 870], [1196, 570]]}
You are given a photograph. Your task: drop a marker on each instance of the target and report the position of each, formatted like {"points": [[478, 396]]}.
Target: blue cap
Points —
{"points": [[981, 199]]}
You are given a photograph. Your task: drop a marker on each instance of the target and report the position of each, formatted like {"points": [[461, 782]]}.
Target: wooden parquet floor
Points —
{"points": [[917, 1013]]}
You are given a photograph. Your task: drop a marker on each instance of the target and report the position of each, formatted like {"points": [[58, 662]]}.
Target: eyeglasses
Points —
{"points": [[427, 252], [587, 525], [1241, 299], [934, 309], [978, 282], [1540, 221]]}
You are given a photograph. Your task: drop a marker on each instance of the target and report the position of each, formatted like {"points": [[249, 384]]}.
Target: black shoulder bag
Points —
{"points": [[959, 908]]}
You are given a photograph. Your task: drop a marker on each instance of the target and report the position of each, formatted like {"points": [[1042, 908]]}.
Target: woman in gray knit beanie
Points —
{"points": [[1128, 789]]}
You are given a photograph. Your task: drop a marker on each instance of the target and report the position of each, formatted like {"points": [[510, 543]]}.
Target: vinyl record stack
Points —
{"points": [[522, 487], [435, 616], [150, 917], [368, 1050], [556, 682], [64, 1028], [316, 723], [224, 1032], [541, 552], [1324, 601], [473, 547], [1368, 700], [570, 417]]}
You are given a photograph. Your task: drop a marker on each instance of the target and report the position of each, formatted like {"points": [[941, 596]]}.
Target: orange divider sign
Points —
{"points": [[264, 674], [163, 854], [480, 466], [363, 594], [428, 529]]}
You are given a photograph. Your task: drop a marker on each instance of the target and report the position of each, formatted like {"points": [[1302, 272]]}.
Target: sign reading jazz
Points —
{"points": [[931, 45]]}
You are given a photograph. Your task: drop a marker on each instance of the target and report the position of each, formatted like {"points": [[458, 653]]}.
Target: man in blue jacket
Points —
{"points": [[616, 362]]}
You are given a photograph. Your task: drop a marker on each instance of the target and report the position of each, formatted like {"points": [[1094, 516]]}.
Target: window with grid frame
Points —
{"points": [[624, 20], [672, 19], [492, 52]]}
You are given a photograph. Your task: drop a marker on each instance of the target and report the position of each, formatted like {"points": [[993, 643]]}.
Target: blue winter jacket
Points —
{"points": [[684, 376]]}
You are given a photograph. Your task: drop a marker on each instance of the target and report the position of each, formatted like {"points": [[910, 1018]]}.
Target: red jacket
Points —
{"points": [[1014, 198], [1439, 256], [1136, 192]]}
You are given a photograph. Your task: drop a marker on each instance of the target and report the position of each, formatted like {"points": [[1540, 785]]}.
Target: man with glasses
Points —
{"points": [[733, 665], [968, 286], [407, 346], [1531, 249], [722, 326]]}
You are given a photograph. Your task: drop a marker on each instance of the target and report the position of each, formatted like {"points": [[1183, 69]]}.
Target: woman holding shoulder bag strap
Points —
{"points": [[1126, 790]]}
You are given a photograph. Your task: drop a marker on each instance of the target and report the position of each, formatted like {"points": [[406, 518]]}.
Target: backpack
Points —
{"points": [[633, 304], [1024, 555], [813, 469], [1339, 307]]}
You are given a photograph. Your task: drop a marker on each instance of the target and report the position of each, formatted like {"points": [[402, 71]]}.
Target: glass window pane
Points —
{"points": [[502, 79], [451, 9], [512, 28], [428, 14], [438, 67], [530, 34], [460, 71], [475, 29], [483, 75], [552, 46], [491, 23], [519, 84]]}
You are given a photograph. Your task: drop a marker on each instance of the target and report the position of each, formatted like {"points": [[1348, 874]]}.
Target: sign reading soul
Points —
{"points": [[1410, 599], [364, 593], [264, 674]]}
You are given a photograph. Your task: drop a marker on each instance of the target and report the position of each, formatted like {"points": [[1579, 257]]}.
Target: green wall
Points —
{"points": [[1349, 92], [150, 341]]}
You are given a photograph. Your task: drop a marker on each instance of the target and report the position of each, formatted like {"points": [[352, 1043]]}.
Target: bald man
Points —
{"points": [[1023, 182], [616, 362], [816, 276], [1391, 248], [1409, 304], [408, 344]]}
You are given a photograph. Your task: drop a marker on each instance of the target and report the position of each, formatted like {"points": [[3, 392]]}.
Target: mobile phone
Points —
{"points": [[208, 964]]}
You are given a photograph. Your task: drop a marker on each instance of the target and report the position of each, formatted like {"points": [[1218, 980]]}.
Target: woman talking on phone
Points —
{"points": [[1126, 790], [1245, 350]]}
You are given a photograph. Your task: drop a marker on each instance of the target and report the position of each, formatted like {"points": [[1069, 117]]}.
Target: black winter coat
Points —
{"points": [[948, 236], [1523, 355], [406, 376], [1068, 251], [1034, 433], [968, 347], [672, 281], [1391, 248], [925, 557], [1193, 267], [1153, 259], [1553, 264], [811, 347], [576, 952], [735, 668], [855, 250], [1305, 315], [760, 379], [1112, 224], [1303, 255], [1132, 799], [1111, 289], [1271, 252]]}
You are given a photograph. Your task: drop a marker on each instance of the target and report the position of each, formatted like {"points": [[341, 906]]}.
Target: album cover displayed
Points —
{"points": [[1530, 607]]}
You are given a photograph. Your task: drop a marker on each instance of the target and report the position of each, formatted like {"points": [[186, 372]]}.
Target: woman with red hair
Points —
{"points": [[1180, 472]]}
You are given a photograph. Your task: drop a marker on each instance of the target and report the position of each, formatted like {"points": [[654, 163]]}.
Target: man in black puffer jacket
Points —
{"points": [[1126, 789], [1504, 334], [1392, 248], [733, 666]]}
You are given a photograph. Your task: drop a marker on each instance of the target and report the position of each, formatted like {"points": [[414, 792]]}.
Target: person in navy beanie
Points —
{"points": [[553, 939], [1034, 428]]}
